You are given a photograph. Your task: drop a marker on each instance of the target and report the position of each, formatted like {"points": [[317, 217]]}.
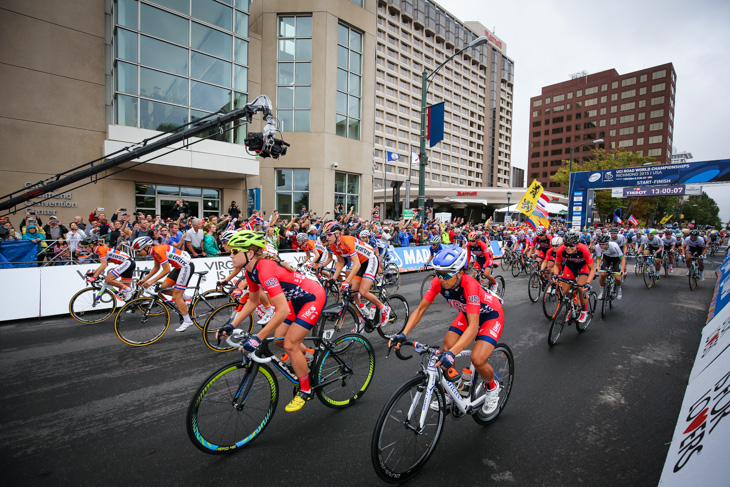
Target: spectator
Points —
{"points": [[54, 230], [116, 231], [176, 236], [31, 234], [61, 252], [180, 208], [125, 237], [405, 237], [164, 235], [32, 215], [74, 236], [194, 239], [233, 211], [210, 246], [123, 216], [143, 230], [79, 223], [11, 234], [104, 227]]}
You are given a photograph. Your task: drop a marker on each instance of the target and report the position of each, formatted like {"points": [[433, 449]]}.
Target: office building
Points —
{"points": [[631, 112]]}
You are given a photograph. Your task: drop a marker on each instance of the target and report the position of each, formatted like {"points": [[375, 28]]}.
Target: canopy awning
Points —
{"points": [[552, 208], [466, 201]]}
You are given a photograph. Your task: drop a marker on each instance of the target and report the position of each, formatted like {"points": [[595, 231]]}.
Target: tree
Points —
{"points": [[702, 210]]}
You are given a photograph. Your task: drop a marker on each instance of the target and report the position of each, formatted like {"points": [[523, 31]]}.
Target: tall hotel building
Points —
{"points": [[85, 78], [476, 87], [631, 112]]}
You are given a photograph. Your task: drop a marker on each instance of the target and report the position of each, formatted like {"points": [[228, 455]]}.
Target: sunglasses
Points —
{"points": [[328, 234], [445, 275], [570, 246]]}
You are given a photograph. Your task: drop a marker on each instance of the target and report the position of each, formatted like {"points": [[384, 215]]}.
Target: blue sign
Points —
{"points": [[254, 200], [414, 258], [721, 295]]}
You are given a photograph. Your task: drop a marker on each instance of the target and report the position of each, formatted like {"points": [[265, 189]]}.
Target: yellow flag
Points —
{"points": [[665, 219], [528, 204]]}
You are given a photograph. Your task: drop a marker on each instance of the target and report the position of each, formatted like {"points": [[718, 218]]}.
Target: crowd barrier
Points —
{"points": [[697, 452], [35, 292]]}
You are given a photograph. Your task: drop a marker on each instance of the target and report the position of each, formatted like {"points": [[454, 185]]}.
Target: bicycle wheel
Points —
{"points": [[399, 447], [205, 304], [345, 372], [516, 268], [391, 278], [142, 321], [399, 312], [503, 362], [693, 278], [89, 306], [501, 286], [606, 299], [427, 283], [559, 321], [665, 264], [218, 319], [551, 300], [649, 276], [534, 286], [216, 421], [581, 327], [336, 322], [639, 268]]}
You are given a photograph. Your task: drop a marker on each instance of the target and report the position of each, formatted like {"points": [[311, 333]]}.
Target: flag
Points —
{"points": [[530, 224], [665, 219], [529, 206], [618, 220], [435, 125], [415, 158], [633, 221], [392, 156], [376, 213]]}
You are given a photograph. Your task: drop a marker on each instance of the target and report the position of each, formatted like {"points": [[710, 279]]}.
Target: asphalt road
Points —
{"points": [[79, 407]]}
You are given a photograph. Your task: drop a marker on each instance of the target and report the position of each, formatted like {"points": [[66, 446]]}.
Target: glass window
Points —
{"points": [[182, 6], [209, 97], [127, 78], [164, 25], [126, 108], [292, 191], [163, 86], [349, 82], [347, 190], [126, 45], [294, 73], [164, 56], [213, 13], [127, 13], [241, 24], [211, 41]]}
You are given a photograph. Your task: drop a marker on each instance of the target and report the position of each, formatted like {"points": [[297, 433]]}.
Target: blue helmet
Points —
{"points": [[451, 259]]}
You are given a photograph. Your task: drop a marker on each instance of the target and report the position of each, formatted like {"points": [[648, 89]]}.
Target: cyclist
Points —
{"points": [[610, 258], [694, 247], [550, 256], [616, 237], [578, 266], [119, 277], [669, 242], [364, 266], [651, 243], [297, 299], [434, 249], [483, 258], [171, 264], [540, 245], [480, 317], [309, 246], [459, 238]]}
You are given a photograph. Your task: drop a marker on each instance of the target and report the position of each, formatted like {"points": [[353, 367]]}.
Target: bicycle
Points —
{"points": [[694, 273], [714, 247], [525, 265], [97, 302], [335, 316], [651, 275], [206, 303], [484, 282], [235, 404], [409, 427], [665, 261], [610, 290], [570, 310], [639, 265], [537, 284], [143, 320], [390, 279], [551, 299]]}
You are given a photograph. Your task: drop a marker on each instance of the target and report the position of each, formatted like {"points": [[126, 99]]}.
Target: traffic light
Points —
{"points": [[429, 203]]}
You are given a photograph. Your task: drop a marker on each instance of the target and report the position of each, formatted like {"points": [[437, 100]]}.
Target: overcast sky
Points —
{"points": [[550, 39]]}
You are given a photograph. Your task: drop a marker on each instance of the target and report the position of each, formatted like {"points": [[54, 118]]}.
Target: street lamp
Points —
{"points": [[570, 170], [423, 161], [509, 195]]}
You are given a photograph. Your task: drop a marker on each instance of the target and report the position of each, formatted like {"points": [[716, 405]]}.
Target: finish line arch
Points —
{"points": [[584, 184]]}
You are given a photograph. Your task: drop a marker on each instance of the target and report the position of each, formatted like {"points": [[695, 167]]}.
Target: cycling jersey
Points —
{"points": [[351, 247], [654, 242], [308, 246], [613, 251], [435, 251], [306, 297], [125, 263], [163, 254], [470, 298], [669, 242], [482, 254], [542, 242], [693, 245], [575, 264], [460, 240], [620, 240]]}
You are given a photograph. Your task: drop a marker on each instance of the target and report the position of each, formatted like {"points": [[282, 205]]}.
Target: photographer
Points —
{"points": [[180, 208], [233, 211]]}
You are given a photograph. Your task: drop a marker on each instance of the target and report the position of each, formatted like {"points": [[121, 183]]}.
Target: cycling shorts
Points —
{"points": [[481, 263], [125, 271], [611, 264], [367, 270], [695, 251], [490, 326], [179, 278], [306, 313], [541, 255], [655, 249], [569, 274]]}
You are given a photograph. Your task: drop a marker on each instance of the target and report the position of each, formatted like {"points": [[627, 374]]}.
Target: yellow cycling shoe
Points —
{"points": [[298, 402]]}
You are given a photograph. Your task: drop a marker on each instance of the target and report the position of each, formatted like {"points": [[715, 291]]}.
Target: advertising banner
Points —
{"points": [[254, 200]]}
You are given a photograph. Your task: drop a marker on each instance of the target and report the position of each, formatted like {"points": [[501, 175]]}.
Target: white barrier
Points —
{"points": [[35, 292]]}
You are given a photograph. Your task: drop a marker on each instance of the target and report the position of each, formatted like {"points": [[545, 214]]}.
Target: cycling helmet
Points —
{"points": [[653, 231], [472, 236], [540, 230], [332, 226], [323, 238], [573, 236], [556, 241], [302, 237], [435, 240], [667, 231], [457, 230], [561, 232], [640, 232], [141, 243], [226, 236], [88, 242], [613, 230], [694, 233], [452, 259], [364, 235], [604, 239], [247, 238]]}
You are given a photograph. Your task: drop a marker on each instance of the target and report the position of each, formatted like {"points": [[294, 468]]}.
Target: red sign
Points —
{"points": [[491, 37], [466, 193]]}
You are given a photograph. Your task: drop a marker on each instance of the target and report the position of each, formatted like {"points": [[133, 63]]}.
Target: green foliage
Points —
{"points": [[702, 209]]}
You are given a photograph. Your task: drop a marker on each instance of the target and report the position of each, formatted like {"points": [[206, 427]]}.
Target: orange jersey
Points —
{"points": [[351, 247], [307, 246], [112, 256], [162, 254]]}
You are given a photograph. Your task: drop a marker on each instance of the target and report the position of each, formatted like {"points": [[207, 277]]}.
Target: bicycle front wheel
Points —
{"points": [[693, 279], [427, 283], [218, 319], [534, 286], [648, 275], [592, 298], [219, 421], [205, 304], [501, 286], [551, 300], [399, 312], [344, 373], [605, 300], [400, 447], [391, 278], [503, 362], [559, 321], [90, 306], [516, 268], [142, 321]]}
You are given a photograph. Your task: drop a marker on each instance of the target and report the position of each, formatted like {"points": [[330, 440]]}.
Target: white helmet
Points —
{"points": [[556, 241]]}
